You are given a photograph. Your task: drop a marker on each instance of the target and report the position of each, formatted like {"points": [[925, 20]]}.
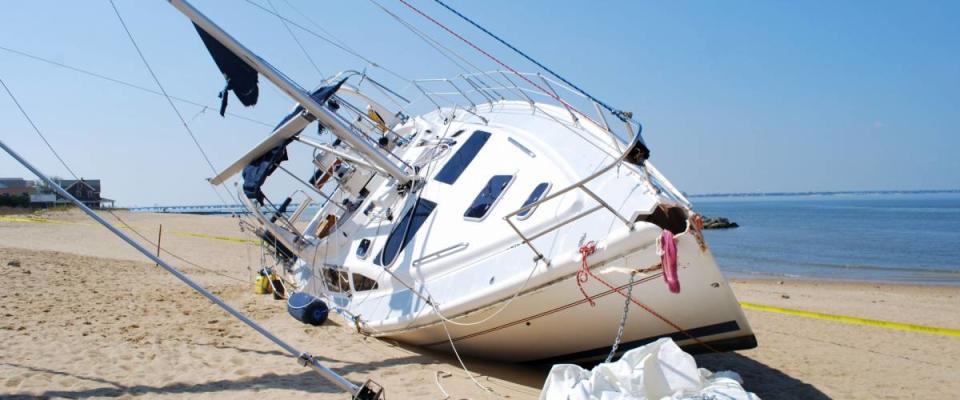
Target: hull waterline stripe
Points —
{"points": [[854, 320]]}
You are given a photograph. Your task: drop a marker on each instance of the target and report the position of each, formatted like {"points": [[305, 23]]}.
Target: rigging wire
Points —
{"points": [[37, 130], [124, 83], [296, 40], [164, 91], [186, 126], [331, 42], [430, 41], [316, 25], [549, 93], [70, 170], [619, 113], [446, 52]]}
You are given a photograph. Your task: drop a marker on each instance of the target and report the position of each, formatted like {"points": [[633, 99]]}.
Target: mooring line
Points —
{"points": [[902, 326]]}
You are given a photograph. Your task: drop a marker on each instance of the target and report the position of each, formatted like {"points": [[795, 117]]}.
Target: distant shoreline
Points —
{"points": [[824, 193]]}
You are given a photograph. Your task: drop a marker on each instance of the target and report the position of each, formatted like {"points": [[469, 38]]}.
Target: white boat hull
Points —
{"points": [[556, 322]]}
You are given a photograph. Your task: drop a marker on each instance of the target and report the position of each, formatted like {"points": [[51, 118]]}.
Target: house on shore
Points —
{"points": [[85, 190], [19, 192], [15, 192]]}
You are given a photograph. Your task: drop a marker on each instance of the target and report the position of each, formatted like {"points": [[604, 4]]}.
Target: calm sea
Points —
{"points": [[882, 238]]}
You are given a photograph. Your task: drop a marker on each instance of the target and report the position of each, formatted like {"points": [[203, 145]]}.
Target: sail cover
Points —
{"points": [[241, 78], [256, 173], [321, 95]]}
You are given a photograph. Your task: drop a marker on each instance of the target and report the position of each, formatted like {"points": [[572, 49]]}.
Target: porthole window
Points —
{"points": [[488, 197], [538, 192]]}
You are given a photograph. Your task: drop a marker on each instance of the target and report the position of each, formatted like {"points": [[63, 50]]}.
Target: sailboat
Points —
{"points": [[502, 220]]}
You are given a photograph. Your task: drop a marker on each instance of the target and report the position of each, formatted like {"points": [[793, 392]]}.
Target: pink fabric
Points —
{"points": [[668, 258]]}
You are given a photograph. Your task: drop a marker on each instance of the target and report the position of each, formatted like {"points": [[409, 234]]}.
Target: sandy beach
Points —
{"points": [[85, 316]]}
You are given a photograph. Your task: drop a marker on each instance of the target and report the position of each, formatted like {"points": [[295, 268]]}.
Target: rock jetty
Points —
{"points": [[718, 223]]}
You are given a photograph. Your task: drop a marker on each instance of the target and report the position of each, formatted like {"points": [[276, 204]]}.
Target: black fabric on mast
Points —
{"points": [[256, 173], [321, 95], [241, 78]]}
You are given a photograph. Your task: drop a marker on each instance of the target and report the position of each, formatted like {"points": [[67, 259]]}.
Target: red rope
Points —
{"points": [[496, 60], [584, 274]]}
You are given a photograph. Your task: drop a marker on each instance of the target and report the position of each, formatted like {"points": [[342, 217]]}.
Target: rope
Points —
{"points": [[588, 249], [124, 223], [583, 274], [170, 253], [462, 364], [619, 113]]}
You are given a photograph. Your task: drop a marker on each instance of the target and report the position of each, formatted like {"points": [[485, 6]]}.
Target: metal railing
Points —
{"points": [[477, 89], [581, 185]]}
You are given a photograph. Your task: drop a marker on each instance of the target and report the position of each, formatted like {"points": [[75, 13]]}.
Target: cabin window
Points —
{"points": [[461, 159], [488, 197], [362, 282], [405, 230], [336, 280], [538, 192]]}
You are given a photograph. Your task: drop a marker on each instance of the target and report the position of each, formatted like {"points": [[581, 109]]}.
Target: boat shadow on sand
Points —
{"points": [[764, 381]]}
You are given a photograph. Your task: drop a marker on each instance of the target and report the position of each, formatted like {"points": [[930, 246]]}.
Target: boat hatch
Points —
{"points": [[462, 158]]}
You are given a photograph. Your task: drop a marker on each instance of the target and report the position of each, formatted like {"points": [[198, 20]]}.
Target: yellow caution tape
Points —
{"points": [[854, 320], [31, 219], [40, 220], [215, 237]]}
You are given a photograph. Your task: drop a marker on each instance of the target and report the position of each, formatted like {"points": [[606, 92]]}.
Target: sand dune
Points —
{"points": [[85, 316]]}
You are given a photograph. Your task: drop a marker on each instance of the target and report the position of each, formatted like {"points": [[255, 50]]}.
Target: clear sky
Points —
{"points": [[734, 96]]}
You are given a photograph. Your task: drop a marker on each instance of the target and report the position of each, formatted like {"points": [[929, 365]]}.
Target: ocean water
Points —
{"points": [[877, 238]]}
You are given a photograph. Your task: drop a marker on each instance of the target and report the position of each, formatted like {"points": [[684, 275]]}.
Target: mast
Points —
{"points": [[346, 132]]}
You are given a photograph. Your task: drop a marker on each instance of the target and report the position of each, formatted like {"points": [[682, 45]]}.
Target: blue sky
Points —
{"points": [[734, 96]]}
